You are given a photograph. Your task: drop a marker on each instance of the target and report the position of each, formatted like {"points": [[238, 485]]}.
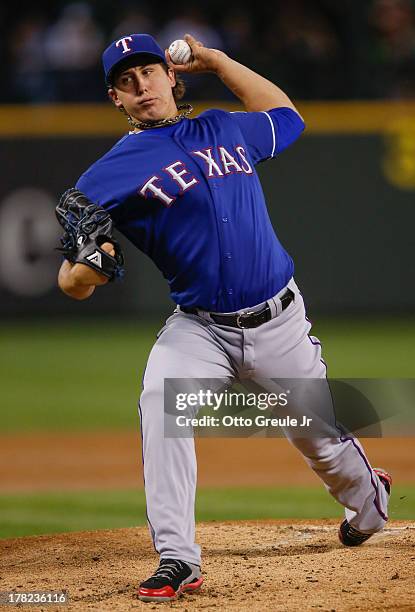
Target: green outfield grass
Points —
{"points": [[88, 375], [35, 514]]}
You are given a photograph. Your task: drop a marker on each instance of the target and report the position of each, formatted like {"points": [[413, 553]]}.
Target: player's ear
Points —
{"points": [[112, 94], [172, 76]]}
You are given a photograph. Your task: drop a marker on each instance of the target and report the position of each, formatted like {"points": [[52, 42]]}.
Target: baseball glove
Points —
{"points": [[87, 226]]}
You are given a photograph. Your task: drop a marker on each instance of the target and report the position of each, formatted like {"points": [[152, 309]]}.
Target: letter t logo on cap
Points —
{"points": [[125, 47]]}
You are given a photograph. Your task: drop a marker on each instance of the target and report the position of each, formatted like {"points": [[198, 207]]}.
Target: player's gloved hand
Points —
{"points": [[88, 228], [84, 276], [202, 60]]}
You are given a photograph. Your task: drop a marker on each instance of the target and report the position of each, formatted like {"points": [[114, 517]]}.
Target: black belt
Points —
{"points": [[245, 320]]}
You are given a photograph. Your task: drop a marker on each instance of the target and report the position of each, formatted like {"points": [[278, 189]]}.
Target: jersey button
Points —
{"points": [[225, 219], [228, 256], [230, 291]]}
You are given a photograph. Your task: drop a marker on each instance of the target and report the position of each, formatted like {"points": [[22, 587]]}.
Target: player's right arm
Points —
{"points": [[254, 91], [270, 122], [79, 281]]}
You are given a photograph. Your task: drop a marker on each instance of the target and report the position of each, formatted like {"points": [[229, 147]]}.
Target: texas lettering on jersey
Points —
{"points": [[188, 196], [220, 164]]}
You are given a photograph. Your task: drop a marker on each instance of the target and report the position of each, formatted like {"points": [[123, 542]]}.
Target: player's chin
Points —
{"points": [[151, 111]]}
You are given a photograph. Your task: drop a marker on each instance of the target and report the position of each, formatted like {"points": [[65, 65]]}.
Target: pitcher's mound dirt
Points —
{"points": [[250, 565]]}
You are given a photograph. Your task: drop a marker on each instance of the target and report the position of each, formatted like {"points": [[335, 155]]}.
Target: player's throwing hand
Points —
{"points": [[201, 60]]}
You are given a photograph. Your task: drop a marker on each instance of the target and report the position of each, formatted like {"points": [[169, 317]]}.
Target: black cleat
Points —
{"points": [[348, 535], [172, 578]]}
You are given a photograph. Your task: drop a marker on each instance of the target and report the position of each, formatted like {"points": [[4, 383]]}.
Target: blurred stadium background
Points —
{"points": [[342, 202]]}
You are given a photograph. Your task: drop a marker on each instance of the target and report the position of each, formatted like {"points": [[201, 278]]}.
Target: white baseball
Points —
{"points": [[180, 52]]}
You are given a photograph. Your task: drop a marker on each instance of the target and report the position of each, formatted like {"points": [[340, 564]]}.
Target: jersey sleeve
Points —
{"points": [[90, 188], [96, 189], [267, 133], [98, 182]]}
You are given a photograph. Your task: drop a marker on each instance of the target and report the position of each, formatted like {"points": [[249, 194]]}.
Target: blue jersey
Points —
{"points": [[189, 197]]}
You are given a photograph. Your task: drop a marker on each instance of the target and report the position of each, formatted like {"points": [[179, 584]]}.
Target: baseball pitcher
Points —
{"points": [[185, 192]]}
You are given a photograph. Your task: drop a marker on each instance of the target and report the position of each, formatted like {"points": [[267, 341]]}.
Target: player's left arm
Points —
{"points": [[254, 91]]}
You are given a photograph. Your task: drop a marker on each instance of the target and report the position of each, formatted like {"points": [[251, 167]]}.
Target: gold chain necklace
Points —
{"points": [[147, 125]]}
